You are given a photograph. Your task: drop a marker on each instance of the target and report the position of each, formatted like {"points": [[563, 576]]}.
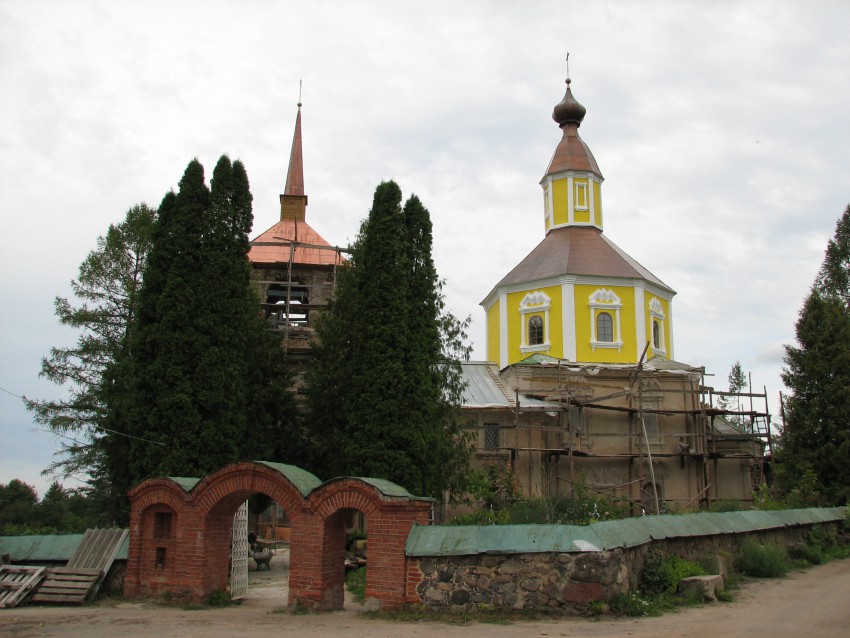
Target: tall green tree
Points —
{"points": [[737, 381], [816, 434], [107, 289], [204, 384], [383, 388]]}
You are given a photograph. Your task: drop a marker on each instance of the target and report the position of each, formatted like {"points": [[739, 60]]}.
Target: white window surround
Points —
{"points": [[581, 198], [536, 302], [656, 313], [605, 300]]}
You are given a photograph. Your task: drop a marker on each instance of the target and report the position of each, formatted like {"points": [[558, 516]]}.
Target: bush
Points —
{"points": [[762, 561], [219, 598], [661, 574]]}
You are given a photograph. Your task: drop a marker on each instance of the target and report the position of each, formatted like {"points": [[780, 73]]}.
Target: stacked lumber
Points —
{"points": [[70, 585], [16, 582]]}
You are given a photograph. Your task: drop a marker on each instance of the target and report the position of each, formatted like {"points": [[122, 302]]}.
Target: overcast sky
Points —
{"points": [[721, 129]]}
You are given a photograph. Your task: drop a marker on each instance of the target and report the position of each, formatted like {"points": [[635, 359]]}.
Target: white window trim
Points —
{"points": [[656, 313], [534, 303], [604, 300], [581, 193]]}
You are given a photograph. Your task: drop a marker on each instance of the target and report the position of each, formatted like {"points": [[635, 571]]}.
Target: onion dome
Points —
{"points": [[568, 110]]}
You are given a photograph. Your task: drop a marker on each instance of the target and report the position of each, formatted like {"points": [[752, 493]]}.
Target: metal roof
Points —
{"points": [[482, 386], [447, 540], [305, 481], [577, 250], [273, 246], [51, 547]]}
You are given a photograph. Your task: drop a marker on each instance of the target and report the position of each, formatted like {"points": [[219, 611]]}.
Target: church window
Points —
{"points": [[604, 327], [535, 331], [605, 319], [534, 322], [581, 196], [491, 436], [656, 316]]}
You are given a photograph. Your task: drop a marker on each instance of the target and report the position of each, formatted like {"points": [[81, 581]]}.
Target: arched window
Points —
{"points": [[656, 335], [535, 330], [604, 327]]}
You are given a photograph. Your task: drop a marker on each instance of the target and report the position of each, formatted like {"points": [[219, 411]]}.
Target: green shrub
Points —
{"points": [[219, 598], [661, 574], [484, 516], [762, 561], [355, 582]]}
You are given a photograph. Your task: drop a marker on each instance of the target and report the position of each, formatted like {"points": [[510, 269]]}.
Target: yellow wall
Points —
{"points": [[597, 203], [493, 336], [581, 216], [559, 201], [584, 352]]}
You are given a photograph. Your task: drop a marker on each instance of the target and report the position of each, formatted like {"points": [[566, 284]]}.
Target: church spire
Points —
{"points": [[293, 202], [571, 184]]}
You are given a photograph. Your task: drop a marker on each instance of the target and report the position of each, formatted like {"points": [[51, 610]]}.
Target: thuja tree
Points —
{"points": [[204, 383], [815, 439], [107, 291], [384, 386]]}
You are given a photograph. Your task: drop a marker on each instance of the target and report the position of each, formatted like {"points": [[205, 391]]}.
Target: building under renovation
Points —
{"points": [[584, 386], [580, 383]]}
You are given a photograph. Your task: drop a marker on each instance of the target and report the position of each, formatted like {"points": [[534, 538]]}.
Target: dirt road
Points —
{"points": [[809, 603]]}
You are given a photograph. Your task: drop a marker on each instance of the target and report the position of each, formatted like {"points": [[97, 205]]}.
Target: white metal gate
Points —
{"points": [[239, 553]]}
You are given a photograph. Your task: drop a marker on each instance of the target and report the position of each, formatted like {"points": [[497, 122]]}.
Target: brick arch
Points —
{"points": [[195, 562], [235, 482]]}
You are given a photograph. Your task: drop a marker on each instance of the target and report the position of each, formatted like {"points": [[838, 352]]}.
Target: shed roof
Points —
{"points": [[48, 547]]}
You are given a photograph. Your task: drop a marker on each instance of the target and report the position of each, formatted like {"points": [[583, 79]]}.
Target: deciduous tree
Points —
{"points": [[107, 289]]}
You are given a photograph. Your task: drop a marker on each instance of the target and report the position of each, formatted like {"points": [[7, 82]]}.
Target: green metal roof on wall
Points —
{"points": [[388, 488], [186, 482], [304, 481], [447, 540]]}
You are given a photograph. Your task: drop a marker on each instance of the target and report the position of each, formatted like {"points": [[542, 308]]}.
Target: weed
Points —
{"points": [[355, 582], [219, 598], [724, 596], [661, 574], [762, 561]]}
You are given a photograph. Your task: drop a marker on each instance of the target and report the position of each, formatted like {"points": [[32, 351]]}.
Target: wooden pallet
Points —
{"points": [[16, 582], [70, 585]]}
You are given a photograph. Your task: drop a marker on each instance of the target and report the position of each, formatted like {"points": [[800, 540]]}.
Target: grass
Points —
{"points": [[762, 561], [355, 582]]}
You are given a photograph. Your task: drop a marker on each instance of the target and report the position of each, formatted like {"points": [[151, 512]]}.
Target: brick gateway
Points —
{"points": [[180, 531]]}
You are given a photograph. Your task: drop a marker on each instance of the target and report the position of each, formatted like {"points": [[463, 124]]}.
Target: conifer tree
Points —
{"points": [[382, 394], [816, 433], [204, 382]]}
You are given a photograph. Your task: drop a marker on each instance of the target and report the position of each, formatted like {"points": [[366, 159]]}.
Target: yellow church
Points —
{"points": [[577, 296]]}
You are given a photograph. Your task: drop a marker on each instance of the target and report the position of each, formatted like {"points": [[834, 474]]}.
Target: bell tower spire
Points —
{"points": [[293, 202]]}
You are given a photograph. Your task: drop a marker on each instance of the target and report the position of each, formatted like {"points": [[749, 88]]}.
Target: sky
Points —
{"points": [[721, 129]]}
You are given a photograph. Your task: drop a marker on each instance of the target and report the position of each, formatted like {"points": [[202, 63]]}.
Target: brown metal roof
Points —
{"points": [[273, 246], [572, 154], [577, 250]]}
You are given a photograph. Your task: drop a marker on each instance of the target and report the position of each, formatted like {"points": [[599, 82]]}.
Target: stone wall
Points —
{"points": [[566, 582]]}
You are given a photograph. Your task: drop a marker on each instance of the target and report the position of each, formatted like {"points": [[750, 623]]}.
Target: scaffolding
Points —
{"points": [[706, 427]]}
